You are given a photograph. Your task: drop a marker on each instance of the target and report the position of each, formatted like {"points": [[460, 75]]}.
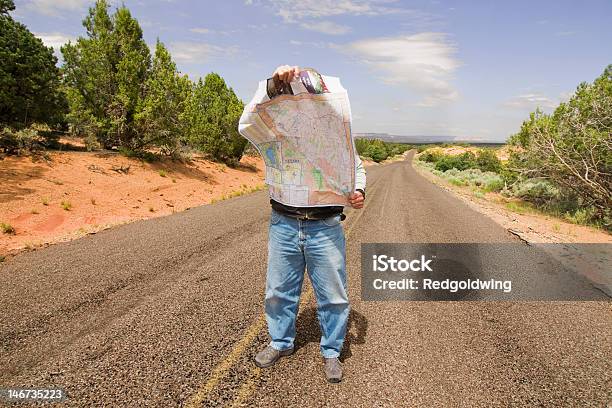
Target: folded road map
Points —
{"points": [[303, 132]]}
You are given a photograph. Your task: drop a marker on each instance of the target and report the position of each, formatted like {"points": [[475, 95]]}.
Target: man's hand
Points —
{"points": [[356, 200], [286, 73]]}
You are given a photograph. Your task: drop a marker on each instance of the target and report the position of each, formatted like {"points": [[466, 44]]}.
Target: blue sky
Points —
{"points": [[473, 69]]}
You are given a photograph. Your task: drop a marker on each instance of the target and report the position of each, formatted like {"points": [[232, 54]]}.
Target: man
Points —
{"points": [[309, 238]]}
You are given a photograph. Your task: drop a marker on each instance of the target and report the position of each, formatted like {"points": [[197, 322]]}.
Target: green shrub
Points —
{"points": [[7, 228], [379, 150], [431, 156], [24, 141], [456, 181], [537, 191], [460, 162], [424, 147], [378, 153], [494, 184], [582, 216], [487, 181], [91, 142], [486, 160]]}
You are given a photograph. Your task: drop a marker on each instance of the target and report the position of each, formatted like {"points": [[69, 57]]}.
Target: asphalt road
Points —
{"points": [[168, 312]]}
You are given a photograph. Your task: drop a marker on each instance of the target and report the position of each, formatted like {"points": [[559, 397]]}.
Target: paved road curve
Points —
{"points": [[167, 312]]}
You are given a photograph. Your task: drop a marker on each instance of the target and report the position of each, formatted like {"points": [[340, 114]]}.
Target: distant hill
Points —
{"points": [[421, 139]]}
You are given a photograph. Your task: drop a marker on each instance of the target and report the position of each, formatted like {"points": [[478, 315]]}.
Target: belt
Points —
{"points": [[309, 217], [304, 217], [307, 213]]}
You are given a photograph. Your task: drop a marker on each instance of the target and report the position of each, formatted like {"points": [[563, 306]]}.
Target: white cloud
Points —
{"points": [[315, 44], [292, 11], [55, 7], [55, 39], [200, 30], [195, 52], [326, 27], [257, 27], [423, 63], [530, 101]]}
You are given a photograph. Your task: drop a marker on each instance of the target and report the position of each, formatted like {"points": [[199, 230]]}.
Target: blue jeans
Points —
{"points": [[319, 247]]}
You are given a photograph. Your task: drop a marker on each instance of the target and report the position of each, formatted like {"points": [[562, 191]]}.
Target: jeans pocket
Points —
{"points": [[331, 221], [275, 217]]}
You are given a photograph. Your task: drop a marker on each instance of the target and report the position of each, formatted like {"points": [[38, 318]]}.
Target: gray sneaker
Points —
{"points": [[268, 356], [333, 370]]}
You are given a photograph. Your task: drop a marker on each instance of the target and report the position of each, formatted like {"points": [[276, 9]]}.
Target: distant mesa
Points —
{"points": [[423, 139]]}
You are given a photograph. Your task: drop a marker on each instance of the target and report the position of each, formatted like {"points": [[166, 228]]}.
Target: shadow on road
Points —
{"points": [[308, 330]]}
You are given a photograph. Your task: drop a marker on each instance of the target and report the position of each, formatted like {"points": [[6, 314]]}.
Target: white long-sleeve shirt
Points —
{"points": [[360, 174]]}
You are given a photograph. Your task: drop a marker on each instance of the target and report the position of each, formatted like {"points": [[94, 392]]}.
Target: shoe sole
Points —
{"points": [[334, 380], [283, 353]]}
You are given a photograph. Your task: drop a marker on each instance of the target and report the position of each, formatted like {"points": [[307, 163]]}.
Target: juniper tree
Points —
{"points": [[213, 112], [29, 79], [160, 112], [572, 148], [105, 74]]}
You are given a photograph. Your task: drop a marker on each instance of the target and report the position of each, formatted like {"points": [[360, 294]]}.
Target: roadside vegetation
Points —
{"points": [[378, 150], [244, 189], [112, 92], [6, 228], [560, 164]]}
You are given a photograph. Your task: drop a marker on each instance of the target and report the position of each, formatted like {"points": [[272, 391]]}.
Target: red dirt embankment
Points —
{"points": [[75, 193]]}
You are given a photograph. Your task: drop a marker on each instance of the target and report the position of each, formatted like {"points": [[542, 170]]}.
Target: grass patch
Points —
{"points": [[66, 205], [34, 211], [44, 201], [244, 190], [7, 228], [478, 194], [520, 207], [582, 216], [456, 181], [162, 173]]}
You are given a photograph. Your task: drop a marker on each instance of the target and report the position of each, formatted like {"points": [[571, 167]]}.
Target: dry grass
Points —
{"points": [[7, 228]]}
